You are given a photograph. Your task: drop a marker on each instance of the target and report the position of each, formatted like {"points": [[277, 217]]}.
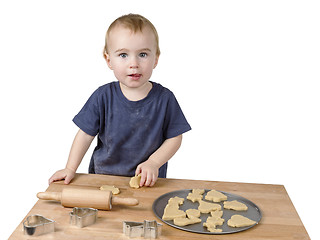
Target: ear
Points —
{"points": [[156, 62], [107, 57]]}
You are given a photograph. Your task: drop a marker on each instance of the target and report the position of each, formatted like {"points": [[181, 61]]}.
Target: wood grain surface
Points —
{"points": [[279, 217]]}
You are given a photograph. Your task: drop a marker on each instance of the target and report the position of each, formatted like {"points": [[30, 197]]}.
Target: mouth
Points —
{"points": [[135, 76]]}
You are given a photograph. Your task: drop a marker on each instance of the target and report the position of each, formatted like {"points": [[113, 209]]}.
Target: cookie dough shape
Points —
{"points": [[171, 211], [113, 189], [213, 222], [235, 205], [213, 229], [215, 196], [193, 213], [240, 221], [217, 213], [206, 207], [135, 181], [194, 197], [176, 200], [186, 221], [198, 191]]}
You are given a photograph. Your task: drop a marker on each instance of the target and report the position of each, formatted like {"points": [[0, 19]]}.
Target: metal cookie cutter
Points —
{"points": [[152, 229], [146, 229], [36, 225], [133, 229], [82, 217]]}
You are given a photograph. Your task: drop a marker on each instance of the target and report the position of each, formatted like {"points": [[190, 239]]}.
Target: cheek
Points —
{"points": [[117, 67], [149, 68], [118, 72]]}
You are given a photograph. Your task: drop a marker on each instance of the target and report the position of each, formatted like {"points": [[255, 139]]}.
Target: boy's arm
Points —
{"points": [[79, 148], [149, 169]]}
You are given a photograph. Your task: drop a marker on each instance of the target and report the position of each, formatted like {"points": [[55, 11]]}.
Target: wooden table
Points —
{"points": [[279, 217]]}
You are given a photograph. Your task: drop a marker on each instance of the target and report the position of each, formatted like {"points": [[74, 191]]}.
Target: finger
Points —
{"points": [[149, 179], [154, 179], [138, 170], [143, 179], [56, 177], [68, 179], [52, 179]]}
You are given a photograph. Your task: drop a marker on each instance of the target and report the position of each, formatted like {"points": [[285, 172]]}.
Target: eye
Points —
{"points": [[143, 55], [123, 55]]}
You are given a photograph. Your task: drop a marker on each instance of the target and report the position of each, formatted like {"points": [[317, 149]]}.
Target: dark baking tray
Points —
{"points": [[253, 212]]}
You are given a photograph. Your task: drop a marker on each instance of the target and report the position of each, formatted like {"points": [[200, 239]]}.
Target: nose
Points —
{"points": [[134, 63]]}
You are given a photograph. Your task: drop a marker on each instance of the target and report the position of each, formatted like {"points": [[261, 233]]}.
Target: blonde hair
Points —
{"points": [[135, 23]]}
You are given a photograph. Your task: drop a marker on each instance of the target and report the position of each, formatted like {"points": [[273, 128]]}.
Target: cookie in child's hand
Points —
{"points": [[135, 181]]}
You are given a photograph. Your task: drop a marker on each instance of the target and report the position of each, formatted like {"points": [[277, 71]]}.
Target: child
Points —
{"points": [[138, 122]]}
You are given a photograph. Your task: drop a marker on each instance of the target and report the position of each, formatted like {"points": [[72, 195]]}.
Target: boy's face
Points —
{"points": [[132, 56]]}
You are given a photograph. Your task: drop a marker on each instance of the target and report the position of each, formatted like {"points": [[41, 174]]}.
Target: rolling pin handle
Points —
{"points": [[49, 196], [124, 201]]}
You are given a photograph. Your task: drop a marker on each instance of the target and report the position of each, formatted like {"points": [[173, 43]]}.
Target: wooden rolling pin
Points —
{"points": [[89, 198]]}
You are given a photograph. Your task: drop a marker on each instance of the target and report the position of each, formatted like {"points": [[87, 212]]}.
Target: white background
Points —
{"points": [[246, 74]]}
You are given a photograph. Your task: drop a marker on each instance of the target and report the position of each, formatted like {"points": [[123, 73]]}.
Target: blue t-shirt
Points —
{"points": [[129, 131]]}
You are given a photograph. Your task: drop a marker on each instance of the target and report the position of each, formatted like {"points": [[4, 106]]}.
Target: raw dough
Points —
{"points": [[217, 213], [235, 205], [213, 229], [213, 222], [135, 181], [240, 221], [215, 196], [171, 211], [192, 216], [193, 213], [194, 197], [186, 221], [113, 189], [206, 207], [176, 200], [198, 191]]}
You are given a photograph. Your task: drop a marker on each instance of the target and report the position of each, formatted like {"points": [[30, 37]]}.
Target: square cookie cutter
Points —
{"points": [[147, 229], [36, 225], [82, 217]]}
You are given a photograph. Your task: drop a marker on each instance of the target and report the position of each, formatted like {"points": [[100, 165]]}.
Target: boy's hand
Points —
{"points": [[149, 173], [66, 174]]}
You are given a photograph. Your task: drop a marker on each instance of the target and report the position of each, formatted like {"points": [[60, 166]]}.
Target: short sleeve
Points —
{"points": [[175, 121], [88, 119]]}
